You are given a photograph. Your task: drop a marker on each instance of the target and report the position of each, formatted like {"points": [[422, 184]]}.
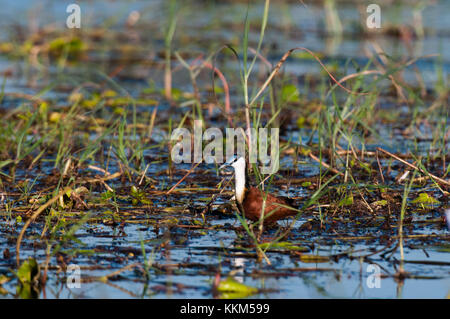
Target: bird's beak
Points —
{"points": [[227, 163], [224, 165]]}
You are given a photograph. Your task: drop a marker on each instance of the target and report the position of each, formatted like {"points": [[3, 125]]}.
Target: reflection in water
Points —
{"points": [[239, 263]]}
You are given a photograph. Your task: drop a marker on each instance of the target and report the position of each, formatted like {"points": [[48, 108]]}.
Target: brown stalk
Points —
{"points": [[33, 217], [379, 167], [226, 90], [112, 274], [437, 179], [325, 164], [184, 177], [280, 64]]}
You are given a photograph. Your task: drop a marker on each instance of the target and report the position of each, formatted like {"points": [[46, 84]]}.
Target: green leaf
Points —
{"points": [[134, 191], [284, 245], [366, 167], [107, 195], [5, 162], [301, 122], [27, 291], [3, 291], [3, 279], [382, 202], [347, 201], [72, 46], [29, 271], [289, 93], [425, 199], [230, 285]]}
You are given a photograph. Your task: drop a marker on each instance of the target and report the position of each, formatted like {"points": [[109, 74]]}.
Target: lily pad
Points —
{"points": [[283, 246], [425, 199], [73, 47], [230, 285]]}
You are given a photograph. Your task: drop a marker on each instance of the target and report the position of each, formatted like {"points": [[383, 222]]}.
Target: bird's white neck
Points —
{"points": [[239, 172]]}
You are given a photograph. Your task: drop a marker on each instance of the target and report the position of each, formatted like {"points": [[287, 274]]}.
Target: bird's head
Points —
{"points": [[235, 162], [238, 163]]}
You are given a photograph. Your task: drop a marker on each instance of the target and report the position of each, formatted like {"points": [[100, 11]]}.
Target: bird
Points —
{"points": [[249, 200]]}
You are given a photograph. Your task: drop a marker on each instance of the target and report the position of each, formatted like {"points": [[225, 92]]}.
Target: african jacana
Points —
{"points": [[249, 200]]}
